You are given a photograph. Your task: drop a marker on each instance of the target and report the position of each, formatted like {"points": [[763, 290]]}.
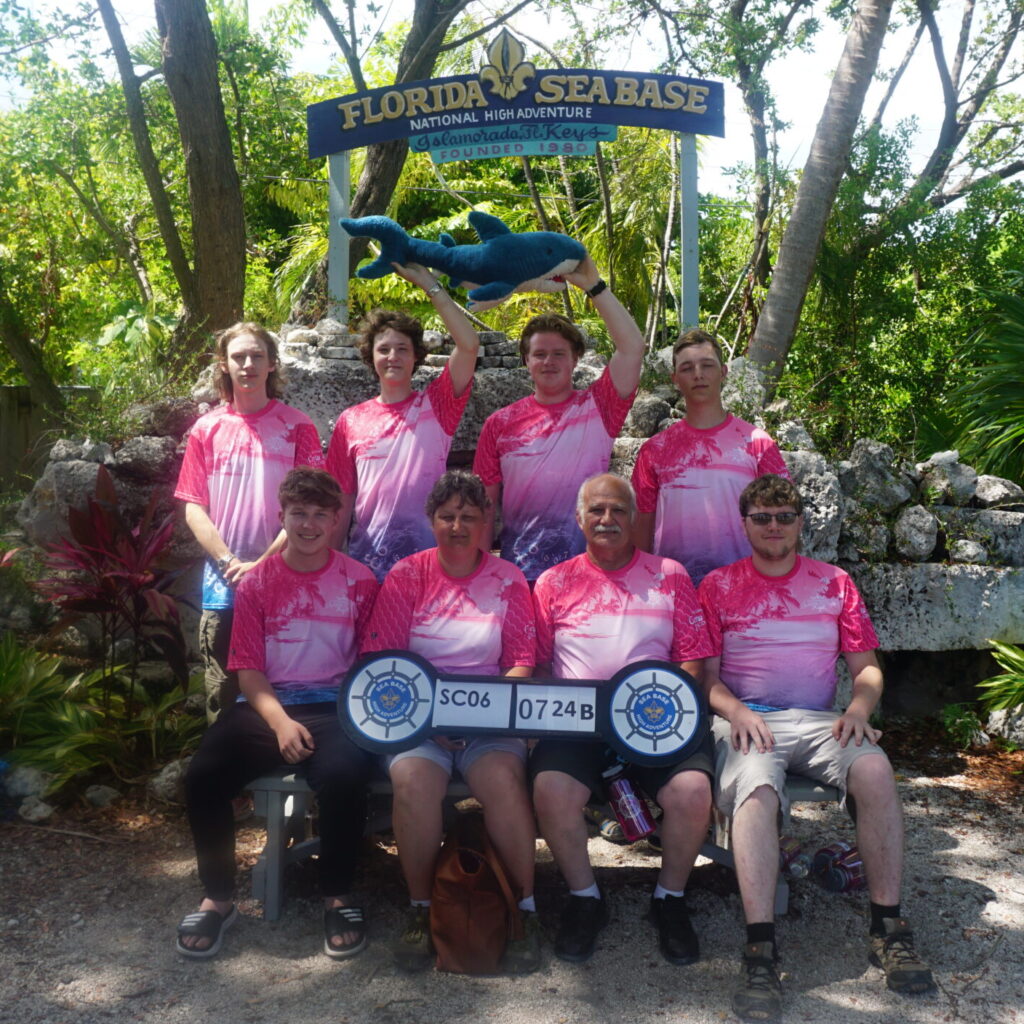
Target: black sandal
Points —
{"points": [[205, 924], [338, 921]]}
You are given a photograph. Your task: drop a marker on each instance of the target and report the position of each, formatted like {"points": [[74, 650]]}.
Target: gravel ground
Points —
{"points": [[87, 930]]}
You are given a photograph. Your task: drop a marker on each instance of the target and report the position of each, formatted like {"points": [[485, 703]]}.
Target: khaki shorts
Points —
{"points": [[803, 744]]}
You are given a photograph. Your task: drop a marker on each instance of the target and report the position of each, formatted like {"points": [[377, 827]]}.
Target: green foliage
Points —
{"points": [[91, 724], [988, 403], [1007, 689], [962, 724]]}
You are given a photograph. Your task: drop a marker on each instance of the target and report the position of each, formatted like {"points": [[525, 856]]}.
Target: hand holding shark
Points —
{"points": [[502, 263]]}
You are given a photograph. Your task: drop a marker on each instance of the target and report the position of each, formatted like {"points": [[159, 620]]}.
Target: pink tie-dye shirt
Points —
{"points": [[234, 464], [541, 454], [481, 623], [591, 623], [691, 480], [389, 457], [779, 636], [301, 629]]}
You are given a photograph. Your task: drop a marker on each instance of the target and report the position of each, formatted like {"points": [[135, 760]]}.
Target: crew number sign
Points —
{"points": [[650, 712]]}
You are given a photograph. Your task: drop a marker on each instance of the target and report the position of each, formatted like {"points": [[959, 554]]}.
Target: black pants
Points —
{"points": [[240, 747]]}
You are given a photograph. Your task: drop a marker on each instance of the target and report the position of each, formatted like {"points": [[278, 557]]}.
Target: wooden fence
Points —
{"points": [[26, 435]]}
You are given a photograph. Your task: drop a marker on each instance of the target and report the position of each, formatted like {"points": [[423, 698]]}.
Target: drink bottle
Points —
{"points": [[792, 859], [628, 806]]}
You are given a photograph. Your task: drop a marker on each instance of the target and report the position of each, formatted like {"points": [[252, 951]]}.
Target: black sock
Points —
{"points": [[877, 913], [764, 931]]}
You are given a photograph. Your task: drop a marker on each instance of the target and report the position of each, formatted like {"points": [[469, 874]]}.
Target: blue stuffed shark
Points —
{"points": [[503, 262]]}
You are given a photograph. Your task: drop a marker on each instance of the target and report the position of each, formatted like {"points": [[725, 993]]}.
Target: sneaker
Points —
{"points": [[759, 995], [676, 938], [582, 920], [522, 956], [894, 952], [414, 951]]}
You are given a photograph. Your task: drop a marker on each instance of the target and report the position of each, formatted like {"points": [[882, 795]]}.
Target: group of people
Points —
{"points": [[695, 563]]}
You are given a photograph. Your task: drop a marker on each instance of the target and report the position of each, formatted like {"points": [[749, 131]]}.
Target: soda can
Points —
{"points": [[828, 855], [846, 874], [789, 848]]}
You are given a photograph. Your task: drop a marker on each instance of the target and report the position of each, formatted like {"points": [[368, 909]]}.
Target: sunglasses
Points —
{"points": [[764, 518]]}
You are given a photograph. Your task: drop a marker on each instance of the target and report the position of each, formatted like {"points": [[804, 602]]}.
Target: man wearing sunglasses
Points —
{"points": [[778, 622], [687, 478]]}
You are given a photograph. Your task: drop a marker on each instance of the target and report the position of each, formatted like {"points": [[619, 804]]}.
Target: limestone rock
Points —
{"points": [[1002, 533], [946, 481], [969, 552], [1008, 724], [169, 417], [26, 781], [302, 336], [102, 796], [34, 810], [149, 458], [660, 361], [169, 783], [994, 490], [915, 533], [934, 607], [869, 477], [644, 417], [863, 534], [434, 340], [823, 503], [744, 390], [793, 436], [322, 390], [344, 352], [44, 512], [329, 327], [624, 453]]}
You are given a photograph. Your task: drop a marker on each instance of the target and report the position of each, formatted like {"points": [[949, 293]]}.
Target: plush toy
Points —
{"points": [[502, 263]]}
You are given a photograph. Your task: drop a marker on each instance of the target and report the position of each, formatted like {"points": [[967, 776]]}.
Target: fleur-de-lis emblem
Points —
{"points": [[653, 712], [508, 73], [390, 698]]}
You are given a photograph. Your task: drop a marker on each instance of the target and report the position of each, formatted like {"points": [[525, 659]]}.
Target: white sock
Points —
{"points": [[660, 892], [591, 890], [529, 904], [419, 903]]}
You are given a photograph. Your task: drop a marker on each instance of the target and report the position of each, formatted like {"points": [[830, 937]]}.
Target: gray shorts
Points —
{"points": [[462, 760], [803, 744]]}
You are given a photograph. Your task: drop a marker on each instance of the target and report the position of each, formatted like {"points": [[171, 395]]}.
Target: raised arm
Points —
{"points": [[628, 360], [462, 364]]}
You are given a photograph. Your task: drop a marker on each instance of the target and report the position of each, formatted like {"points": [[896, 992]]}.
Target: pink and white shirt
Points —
{"points": [[692, 479], [481, 623], [591, 623], [779, 636], [234, 464], [389, 457], [541, 454], [301, 629]]}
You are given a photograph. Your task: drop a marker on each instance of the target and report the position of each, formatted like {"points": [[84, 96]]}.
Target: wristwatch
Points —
{"points": [[598, 288], [225, 561]]}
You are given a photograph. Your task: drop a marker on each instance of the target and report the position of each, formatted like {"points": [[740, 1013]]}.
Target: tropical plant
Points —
{"points": [[989, 402], [109, 571], [1005, 690], [91, 723], [962, 724]]}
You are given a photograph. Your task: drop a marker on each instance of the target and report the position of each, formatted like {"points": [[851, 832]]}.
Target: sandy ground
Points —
{"points": [[87, 929]]}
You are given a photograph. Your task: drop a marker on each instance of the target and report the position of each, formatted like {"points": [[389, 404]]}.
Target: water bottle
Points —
{"points": [[828, 855], [846, 873], [628, 806], [793, 861]]}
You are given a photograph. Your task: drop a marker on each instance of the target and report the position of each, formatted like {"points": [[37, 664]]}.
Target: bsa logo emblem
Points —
{"points": [[390, 698], [653, 711]]}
